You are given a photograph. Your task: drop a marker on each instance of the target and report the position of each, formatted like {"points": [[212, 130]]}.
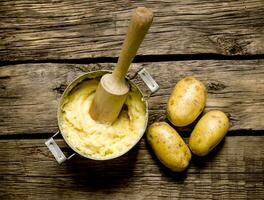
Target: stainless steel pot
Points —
{"points": [[52, 145]]}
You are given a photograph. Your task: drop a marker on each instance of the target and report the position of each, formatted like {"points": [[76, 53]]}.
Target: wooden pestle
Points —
{"points": [[113, 88]]}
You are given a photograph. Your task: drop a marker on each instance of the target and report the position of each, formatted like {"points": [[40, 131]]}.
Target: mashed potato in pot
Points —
{"points": [[95, 140]]}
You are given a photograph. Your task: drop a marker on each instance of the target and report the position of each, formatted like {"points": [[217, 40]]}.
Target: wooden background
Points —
{"points": [[45, 44]]}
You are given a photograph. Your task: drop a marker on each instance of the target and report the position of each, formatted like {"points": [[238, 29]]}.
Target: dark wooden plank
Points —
{"points": [[234, 171], [30, 92], [73, 29]]}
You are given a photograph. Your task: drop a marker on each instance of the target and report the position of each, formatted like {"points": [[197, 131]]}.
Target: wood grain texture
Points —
{"points": [[233, 171], [30, 92], [46, 29]]}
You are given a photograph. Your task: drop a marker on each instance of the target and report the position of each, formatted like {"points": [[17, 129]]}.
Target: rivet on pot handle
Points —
{"points": [[148, 80], [56, 151]]}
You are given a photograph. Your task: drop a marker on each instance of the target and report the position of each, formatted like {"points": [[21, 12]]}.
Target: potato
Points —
{"points": [[168, 146], [186, 101], [208, 132]]}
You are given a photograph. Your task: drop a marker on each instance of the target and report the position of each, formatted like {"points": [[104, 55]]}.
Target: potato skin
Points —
{"points": [[208, 132], [186, 101], [168, 146]]}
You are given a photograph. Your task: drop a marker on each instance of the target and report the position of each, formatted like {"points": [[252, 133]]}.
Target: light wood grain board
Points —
{"points": [[44, 29], [30, 92], [233, 171]]}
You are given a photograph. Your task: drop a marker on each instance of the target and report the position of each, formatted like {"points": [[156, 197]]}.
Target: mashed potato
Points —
{"points": [[101, 141]]}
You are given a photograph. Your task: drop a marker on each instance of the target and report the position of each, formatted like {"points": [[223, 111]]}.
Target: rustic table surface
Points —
{"points": [[45, 44]]}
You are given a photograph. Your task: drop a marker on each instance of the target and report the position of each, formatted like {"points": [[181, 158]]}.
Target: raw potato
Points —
{"points": [[168, 146], [208, 132], [186, 101]]}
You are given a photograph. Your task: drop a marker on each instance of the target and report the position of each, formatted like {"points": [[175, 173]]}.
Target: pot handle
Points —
{"points": [[148, 80], [56, 151]]}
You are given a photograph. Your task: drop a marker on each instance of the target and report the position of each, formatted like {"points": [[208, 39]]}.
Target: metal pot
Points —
{"points": [[52, 145]]}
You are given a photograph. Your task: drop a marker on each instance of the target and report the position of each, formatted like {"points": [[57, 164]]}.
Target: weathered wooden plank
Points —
{"points": [[73, 29], [29, 93], [234, 171]]}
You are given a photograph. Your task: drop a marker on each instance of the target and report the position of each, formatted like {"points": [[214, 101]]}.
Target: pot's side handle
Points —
{"points": [[148, 80], [56, 151]]}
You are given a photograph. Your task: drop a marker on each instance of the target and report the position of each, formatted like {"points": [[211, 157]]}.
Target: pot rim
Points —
{"points": [[72, 85]]}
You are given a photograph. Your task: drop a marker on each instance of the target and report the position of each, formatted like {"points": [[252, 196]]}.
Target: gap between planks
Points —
{"points": [[141, 59], [184, 134]]}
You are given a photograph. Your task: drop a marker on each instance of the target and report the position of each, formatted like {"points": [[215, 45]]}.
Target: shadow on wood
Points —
{"points": [[201, 162], [103, 174]]}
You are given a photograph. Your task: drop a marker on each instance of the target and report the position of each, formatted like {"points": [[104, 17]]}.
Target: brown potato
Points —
{"points": [[168, 146], [208, 132], [186, 101]]}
